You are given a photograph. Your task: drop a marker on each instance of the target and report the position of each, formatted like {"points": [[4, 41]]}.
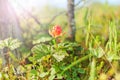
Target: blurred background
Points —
{"points": [[35, 17], [93, 24]]}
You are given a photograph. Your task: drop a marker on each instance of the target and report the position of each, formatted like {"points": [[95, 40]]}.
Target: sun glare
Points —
{"points": [[20, 5]]}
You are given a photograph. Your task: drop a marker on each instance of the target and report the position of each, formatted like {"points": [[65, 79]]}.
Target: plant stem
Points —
{"points": [[76, 62], [93, 69]]}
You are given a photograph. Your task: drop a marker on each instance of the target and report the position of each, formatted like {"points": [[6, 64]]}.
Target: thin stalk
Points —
{"points": [[88, 34], [76, 62], [93, 69]]}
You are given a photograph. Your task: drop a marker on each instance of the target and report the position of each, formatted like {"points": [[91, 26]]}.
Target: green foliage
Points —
{"points": [[60, 55], [42, 38], [98, 52], [41, 50], [93, 70], [94, 55], [10, 43]]}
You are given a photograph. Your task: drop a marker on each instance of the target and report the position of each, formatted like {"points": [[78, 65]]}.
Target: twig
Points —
{"points": [[63, 12], [79, 2], [55, 16], [31, 15]]}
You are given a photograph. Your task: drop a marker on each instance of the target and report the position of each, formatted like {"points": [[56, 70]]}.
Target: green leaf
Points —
{"points": [[51, 77], [10, 43], [67, 45], [112, 56], [44, 74], [60, 55], [41, 50], [13, 56], [14, 43], [59, 76], [42, 38], [53, 71], [80, 70], [33, 72], [98, 52], [52, 74], [31, 59], [20, 69]]}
